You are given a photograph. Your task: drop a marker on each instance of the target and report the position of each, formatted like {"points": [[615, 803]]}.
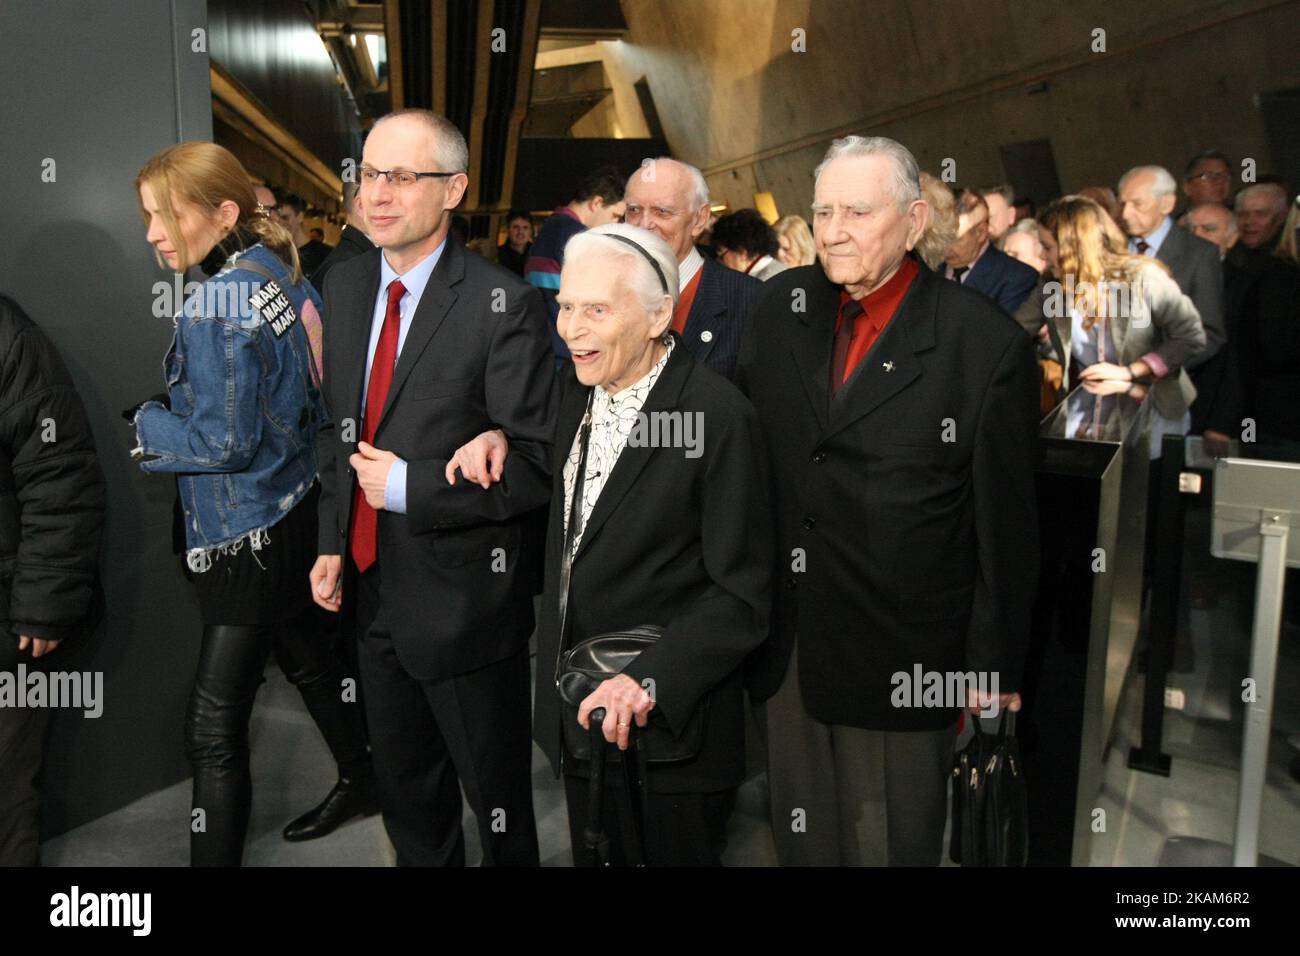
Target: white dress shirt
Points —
{"points": [[687, 268], [1153, 241], [612, 420]]}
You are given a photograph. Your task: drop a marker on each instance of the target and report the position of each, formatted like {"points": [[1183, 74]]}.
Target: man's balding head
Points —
{"points": [[409, 221], [1146, 196], [670, 199]]}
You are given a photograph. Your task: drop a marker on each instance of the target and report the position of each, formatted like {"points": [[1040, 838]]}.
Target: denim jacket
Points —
{"points": [[240, 433]]}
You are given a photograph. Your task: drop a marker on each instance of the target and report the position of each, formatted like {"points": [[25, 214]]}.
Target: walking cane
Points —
{"points": [[593, 833]]}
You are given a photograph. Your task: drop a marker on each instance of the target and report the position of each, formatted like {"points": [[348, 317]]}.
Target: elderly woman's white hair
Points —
{"points": [[600, 243]]}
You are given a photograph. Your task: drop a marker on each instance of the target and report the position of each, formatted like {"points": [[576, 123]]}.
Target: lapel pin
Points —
{"points": [[888, 366], [706, 336]]}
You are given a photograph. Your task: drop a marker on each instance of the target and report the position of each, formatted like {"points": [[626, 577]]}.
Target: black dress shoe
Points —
{"points": [[349, 798]]}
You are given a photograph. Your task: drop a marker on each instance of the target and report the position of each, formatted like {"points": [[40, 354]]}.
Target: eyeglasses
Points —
{"points": [[398, 177], [1214, 176]]}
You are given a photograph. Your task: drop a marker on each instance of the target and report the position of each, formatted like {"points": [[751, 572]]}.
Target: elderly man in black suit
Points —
{"points": [[671, 199], [427, 347], [977, 263], [900, 413]]}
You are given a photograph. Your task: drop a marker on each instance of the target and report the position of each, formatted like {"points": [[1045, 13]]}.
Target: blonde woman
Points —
{"points": [[1121, 317], [795, 242], [941, 228], [237, 426]]}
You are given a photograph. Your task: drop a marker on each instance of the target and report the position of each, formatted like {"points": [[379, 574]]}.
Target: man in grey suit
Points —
{"points": [[1147, 195]]}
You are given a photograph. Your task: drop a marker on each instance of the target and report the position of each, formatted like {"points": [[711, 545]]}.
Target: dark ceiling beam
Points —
{"points": [[393, 35], [479, 110], [439, 14], [523, 94]]}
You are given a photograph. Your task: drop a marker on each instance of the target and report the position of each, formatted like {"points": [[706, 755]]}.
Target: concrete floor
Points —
{"points": [[293, 771]]}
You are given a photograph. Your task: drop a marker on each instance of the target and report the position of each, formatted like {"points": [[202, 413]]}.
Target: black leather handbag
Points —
{"points": [[990, 818], [580, 669], [599, 658]]}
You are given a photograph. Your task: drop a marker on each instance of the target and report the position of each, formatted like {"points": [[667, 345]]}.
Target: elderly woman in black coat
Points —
{"points": [[670, 529]]}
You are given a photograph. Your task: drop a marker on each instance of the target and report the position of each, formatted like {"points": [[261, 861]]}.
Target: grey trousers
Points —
{"points": [[22, 740], [843, 796]]}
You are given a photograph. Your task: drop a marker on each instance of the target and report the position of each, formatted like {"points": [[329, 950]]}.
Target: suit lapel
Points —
{"points": [[631, 462], [573, 405], [812, 338], [1171, 250], [891, 365], [708, 305], [982, 271], [357, 336], [434, 305]]}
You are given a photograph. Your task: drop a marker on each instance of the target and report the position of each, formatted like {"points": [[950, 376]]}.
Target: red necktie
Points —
{"points": [[844, 337], [365, 520]]}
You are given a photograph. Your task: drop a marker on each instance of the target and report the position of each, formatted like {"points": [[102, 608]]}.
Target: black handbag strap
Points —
{"points": [[257, 267], [572, 531]]}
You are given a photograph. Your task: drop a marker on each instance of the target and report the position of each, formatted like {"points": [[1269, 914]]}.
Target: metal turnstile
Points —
{"points": [[1256, 509]]}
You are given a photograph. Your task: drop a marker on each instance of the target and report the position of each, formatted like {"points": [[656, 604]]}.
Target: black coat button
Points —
{"points": [[809, 523], [818, 457], [791, 583]]}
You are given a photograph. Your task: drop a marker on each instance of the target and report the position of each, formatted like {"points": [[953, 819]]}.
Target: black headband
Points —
{"points": [[648, 258]]}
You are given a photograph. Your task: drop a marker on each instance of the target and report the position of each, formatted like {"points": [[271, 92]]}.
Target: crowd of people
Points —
{"points": [[786, 462]]}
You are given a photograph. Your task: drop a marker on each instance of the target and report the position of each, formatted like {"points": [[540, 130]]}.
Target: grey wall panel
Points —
{"points": [[98, 89]]}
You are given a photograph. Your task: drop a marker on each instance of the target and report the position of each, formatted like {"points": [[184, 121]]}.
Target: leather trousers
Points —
{"points": [[231, 662]]}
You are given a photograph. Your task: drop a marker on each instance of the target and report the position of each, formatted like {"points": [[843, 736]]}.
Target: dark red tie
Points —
{"points": [[365, 520], [852, 312], [1142, 246]]}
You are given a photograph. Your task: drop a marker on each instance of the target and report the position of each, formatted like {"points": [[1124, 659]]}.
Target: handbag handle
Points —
{"points": [[1006, 725]]}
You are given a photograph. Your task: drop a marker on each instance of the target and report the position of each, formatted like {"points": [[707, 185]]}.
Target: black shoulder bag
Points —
{"points": [[580, 670]]}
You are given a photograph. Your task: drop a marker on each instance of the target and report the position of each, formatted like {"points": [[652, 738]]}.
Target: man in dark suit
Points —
{"points": [[1217, 411], [978, 264], [900, 412], [671, 199], [426, 347], [1147, 195], [353, 241]]}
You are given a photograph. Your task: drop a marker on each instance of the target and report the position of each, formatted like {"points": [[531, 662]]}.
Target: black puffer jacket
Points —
{"points": [[51, 495]]}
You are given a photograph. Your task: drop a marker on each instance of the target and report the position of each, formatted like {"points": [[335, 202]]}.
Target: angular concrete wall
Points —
{"points": [[949, 79]]}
